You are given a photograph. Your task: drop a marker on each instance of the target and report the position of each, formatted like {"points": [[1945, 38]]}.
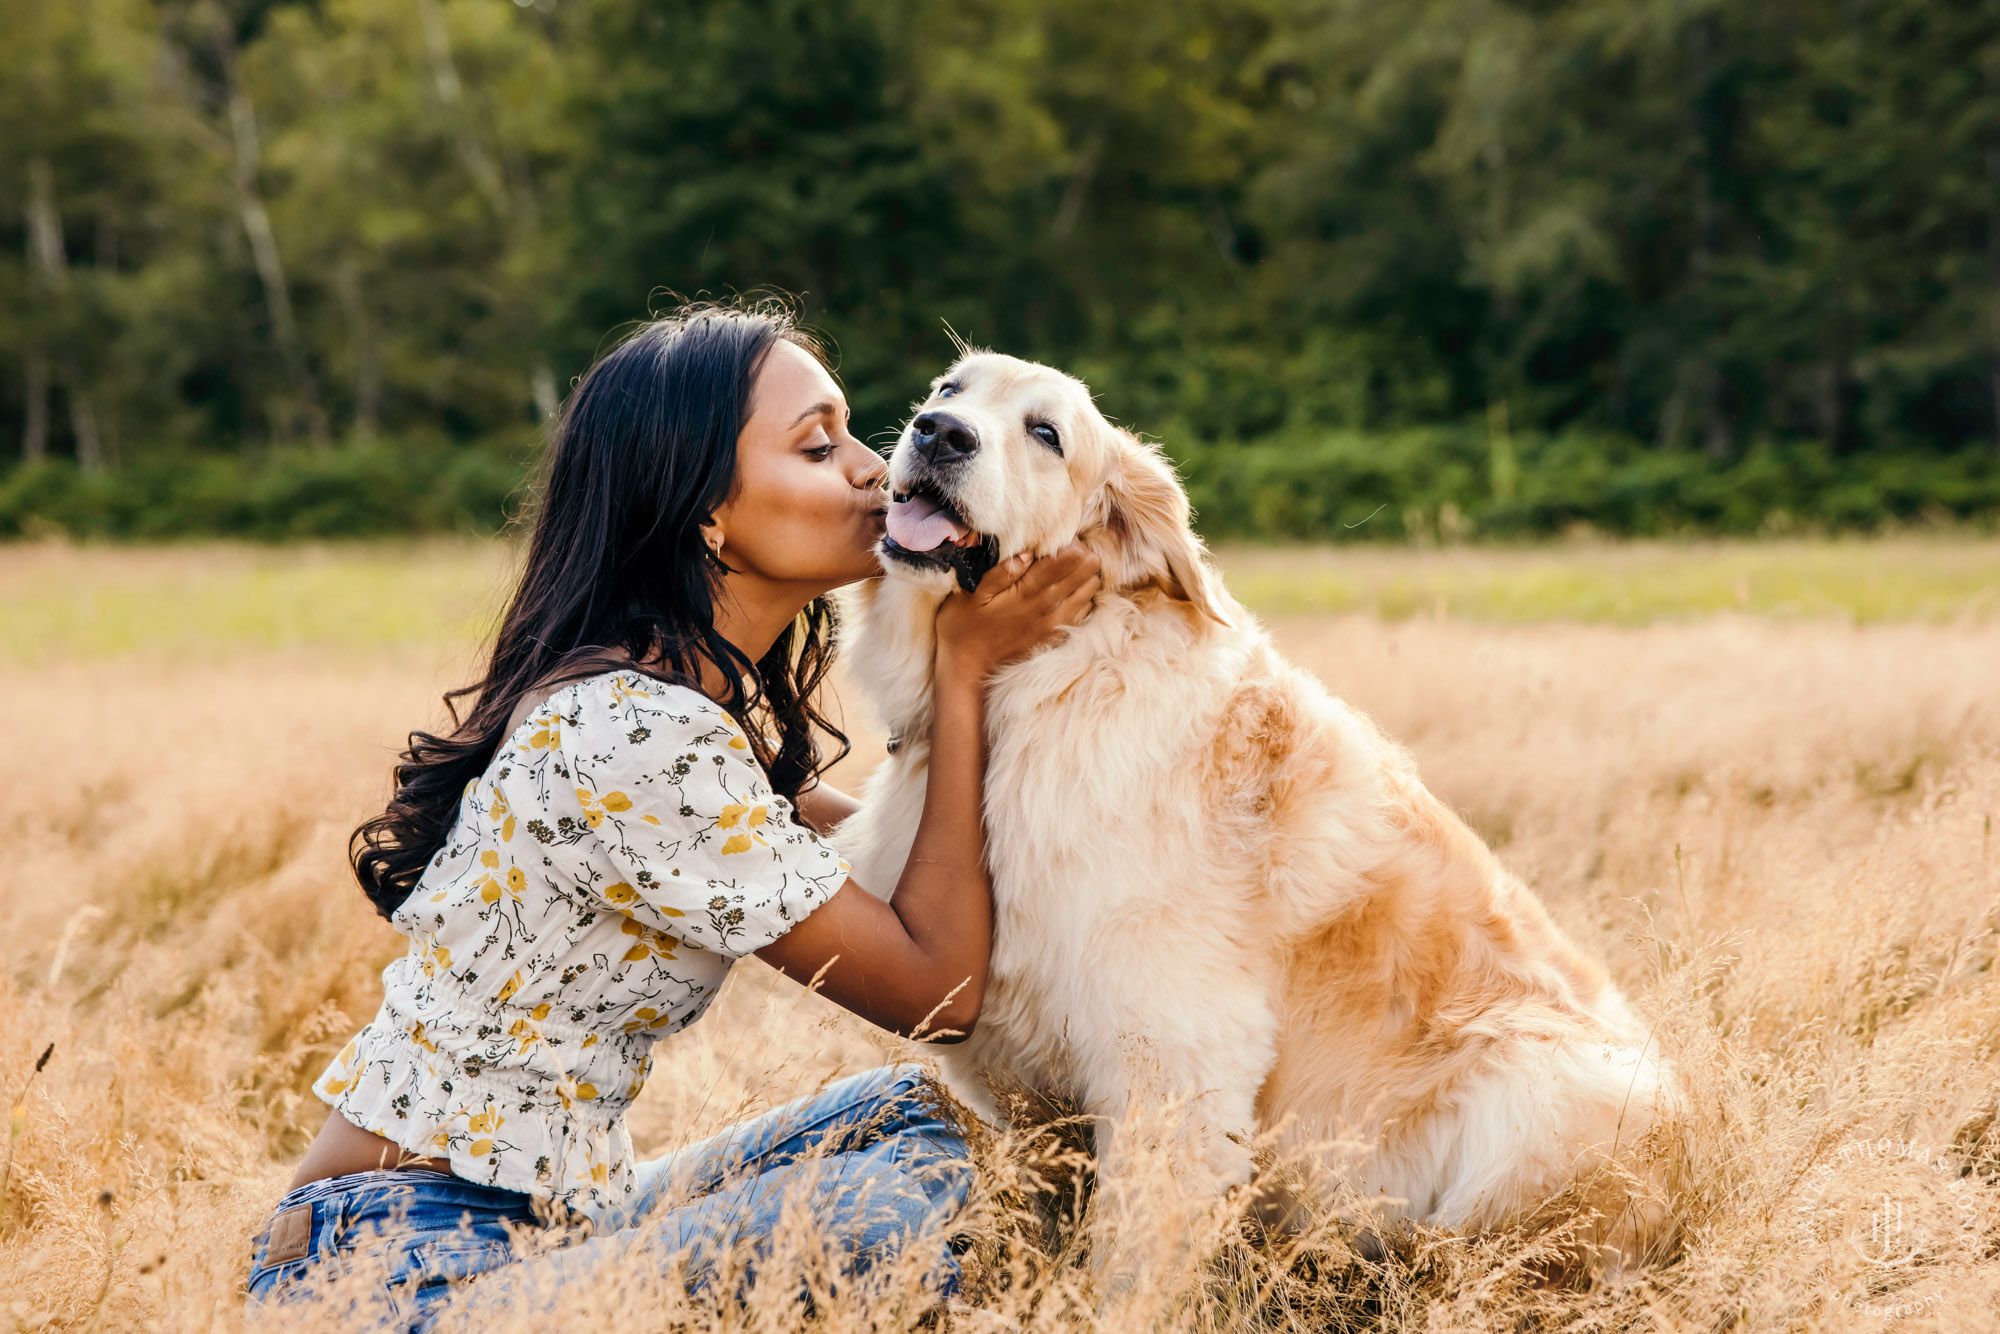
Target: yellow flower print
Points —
{"points": [[620, 692], [513, 985], [650, 942], [739, 742], [598, 1173], [338, 1086], [417, 1036], [524, 1030], [504, 813], [647, 1018], [622, 895], [548, 736], [485, 1125], [749, 817], [441, 1141], [353, 1076], [490, 889], [594, 807], [433, 956]]}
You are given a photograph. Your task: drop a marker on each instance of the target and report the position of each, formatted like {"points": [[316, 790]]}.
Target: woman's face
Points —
{"points": [[807, 506]]}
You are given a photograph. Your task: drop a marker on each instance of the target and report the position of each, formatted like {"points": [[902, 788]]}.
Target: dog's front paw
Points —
{"points": [[1227, 1160]]}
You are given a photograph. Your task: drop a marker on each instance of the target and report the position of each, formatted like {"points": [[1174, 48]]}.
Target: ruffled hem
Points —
{"points": [[489, 1126]]}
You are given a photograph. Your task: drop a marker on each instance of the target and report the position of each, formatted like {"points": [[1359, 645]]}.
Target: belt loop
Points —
{"points": [[334, 1204]]}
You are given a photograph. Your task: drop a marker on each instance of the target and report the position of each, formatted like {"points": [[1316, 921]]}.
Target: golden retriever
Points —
{"points": [[1215, 882]]}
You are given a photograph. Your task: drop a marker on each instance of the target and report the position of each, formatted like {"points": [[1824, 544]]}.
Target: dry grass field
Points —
{"points": [[1760, 782]]}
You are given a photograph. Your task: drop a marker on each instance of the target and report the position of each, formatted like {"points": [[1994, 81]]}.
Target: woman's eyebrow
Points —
{"points": [[823, 408]]}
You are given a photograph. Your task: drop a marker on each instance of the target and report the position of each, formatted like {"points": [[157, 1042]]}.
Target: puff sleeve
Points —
{"points": [[693, 841]]}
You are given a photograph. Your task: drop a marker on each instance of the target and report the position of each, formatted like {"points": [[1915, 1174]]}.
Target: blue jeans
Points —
{"points": [[870, 1158]]}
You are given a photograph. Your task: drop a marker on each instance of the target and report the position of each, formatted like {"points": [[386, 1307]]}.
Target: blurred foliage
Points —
{"points": [[1442, 483], [361, 491], [281, 267]]}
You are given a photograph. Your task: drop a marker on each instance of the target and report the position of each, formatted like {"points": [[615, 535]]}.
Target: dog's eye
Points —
{"points": [[947, 390], [1047, 435]]}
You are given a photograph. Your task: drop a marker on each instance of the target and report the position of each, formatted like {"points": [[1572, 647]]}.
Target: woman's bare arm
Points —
{"points": [[825, 806], [923, 955]]}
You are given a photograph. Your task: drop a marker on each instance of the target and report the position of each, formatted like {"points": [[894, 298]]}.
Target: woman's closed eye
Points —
{"points": [[820, 445]]}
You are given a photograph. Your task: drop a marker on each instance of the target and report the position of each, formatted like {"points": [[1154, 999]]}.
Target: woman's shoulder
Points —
{"points": [[634, 705]]}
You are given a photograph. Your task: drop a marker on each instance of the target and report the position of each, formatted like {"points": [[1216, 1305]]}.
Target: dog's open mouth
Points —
{"points": [[925, 531]]}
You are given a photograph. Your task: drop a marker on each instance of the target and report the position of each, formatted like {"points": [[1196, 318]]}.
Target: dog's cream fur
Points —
{"points": [[1216, 882]]}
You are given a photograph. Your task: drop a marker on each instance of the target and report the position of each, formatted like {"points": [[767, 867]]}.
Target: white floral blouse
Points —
{"points": [[620, 852]]}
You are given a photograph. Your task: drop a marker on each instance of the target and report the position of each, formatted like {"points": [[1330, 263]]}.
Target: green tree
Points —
{"points": [[409, 149], [732, 147], [1496, 236]]}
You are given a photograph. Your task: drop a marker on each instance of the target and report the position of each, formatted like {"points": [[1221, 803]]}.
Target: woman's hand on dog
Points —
{"points": [[1020, 604]]}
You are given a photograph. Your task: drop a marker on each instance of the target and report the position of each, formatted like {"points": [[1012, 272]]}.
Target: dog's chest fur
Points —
{"points": [[1114, 911]]}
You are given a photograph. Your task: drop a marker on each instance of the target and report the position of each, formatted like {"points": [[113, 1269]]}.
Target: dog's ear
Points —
{"points": [[1142, 530]]}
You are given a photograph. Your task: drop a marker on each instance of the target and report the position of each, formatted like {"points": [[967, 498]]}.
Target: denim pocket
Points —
{"points": [[422, 1232], [264, 1279], [433, 1233], [294, 1235]]}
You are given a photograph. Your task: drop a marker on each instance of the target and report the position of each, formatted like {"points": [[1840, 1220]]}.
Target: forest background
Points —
{"points": [[1368, 268]]}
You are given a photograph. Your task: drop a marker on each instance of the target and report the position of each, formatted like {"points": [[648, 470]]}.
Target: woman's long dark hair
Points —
{"points": [[617, 572]]}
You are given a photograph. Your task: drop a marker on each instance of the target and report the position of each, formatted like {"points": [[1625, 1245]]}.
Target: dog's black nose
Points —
{"points": [[940, 437]]}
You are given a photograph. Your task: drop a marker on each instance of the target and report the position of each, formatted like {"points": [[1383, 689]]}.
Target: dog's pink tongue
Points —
{"points": [[917, 524]]}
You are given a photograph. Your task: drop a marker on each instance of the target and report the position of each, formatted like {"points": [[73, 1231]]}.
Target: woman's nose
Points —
{"points": [[873, 474]]}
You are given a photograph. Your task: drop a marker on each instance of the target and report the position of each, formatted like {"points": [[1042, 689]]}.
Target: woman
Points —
{"points": [[632, 804]]}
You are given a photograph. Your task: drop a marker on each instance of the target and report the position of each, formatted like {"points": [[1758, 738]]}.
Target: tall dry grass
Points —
{"points": [[1779, 836]]}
